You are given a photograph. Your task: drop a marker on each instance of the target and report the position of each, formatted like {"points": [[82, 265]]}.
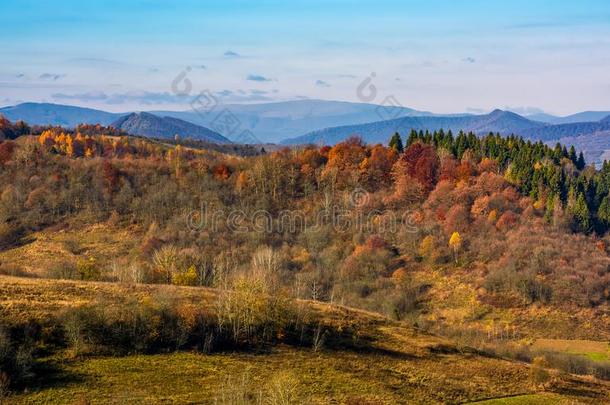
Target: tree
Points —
{"points": [[581, 216], [396, 143], [603, 212], [165, 260], [6, 151], [572, 155], [538, 374], [580, 163], [344, 160], [375, 170], [455, 243], [419, 164], [111, 177]]}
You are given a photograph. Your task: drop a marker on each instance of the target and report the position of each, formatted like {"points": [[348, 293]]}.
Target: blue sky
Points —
{"points": [[438, 55]]}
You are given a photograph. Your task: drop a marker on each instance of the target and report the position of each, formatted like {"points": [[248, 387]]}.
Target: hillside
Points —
{"points": [[503, 122], [150, 125], [493, 247], [410, 366]]}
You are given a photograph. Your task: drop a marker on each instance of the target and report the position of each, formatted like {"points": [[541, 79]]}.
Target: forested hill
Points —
{"points": [[150, 125], [539, 172], [433, 219]]}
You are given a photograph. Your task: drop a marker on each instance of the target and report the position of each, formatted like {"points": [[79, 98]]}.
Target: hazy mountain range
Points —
{"points": [[320, 121], [377, 132]]}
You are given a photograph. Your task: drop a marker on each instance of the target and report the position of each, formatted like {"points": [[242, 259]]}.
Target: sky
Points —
{"points": [[443, 56]]}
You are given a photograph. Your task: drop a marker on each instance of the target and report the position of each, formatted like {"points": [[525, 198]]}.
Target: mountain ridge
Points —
{"points": [[150, 125], [505, 122]]}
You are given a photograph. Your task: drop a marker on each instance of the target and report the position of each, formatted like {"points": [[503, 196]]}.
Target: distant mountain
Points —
{"points": [[57, 114], [151, 125], [325, 121], [550, 132], [542, 117], [251, 123], [504, 122], [585, 116], [273, 122]]}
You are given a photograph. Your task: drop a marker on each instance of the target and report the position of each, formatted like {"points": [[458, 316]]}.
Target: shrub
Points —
{"points": [[247, 314], [188, 277], [9, 233], [538, 373], [283, 389], [16, 359], [88, 269], [64, 270], [165, 261]]}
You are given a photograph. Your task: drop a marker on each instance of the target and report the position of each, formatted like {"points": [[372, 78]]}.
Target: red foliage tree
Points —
{"points": [[448, 168], [6, 151], [111, 176], [457, 219], [222, 172], [507, 221], [375, 170], [419, 162]]}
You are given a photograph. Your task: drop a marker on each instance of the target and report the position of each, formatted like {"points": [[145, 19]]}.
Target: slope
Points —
{"points": [[150, 125], [409, 366]]}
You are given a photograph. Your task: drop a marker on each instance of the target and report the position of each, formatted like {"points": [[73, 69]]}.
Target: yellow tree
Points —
{"points": [[455, 243], [47, 139], [426, 248]]}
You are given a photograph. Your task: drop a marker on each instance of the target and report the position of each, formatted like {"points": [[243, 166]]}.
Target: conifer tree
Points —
{"points": [[581, 215], [603, 213], [580, 163], [396, 143], [572, 155]]}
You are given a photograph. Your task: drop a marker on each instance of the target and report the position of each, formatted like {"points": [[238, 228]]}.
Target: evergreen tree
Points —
{"points": [[603, 213], [396, 143], [581, 215], [580, 163], [572, 155]]}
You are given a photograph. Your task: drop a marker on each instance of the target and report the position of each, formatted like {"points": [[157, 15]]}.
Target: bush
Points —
{"points": [[64, 270], [87, 269], [16, 358], [248, 315], [538, 373], [188, 277], [9, 234]]}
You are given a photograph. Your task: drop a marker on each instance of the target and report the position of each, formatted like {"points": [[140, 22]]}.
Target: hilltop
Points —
{"points": [[57, 114], [150, 125]]}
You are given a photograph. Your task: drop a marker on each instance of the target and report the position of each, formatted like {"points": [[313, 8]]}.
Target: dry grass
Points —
{"points": [[27, 298], [42, 250], [398, 365], [594, 350], [453, 300]]}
